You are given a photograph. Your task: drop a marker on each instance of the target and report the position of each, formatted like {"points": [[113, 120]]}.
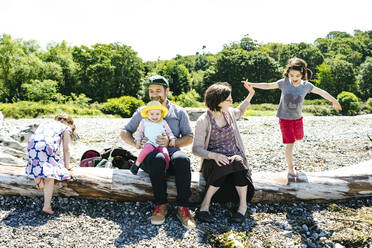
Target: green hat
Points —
{"points": [[157, 79]]}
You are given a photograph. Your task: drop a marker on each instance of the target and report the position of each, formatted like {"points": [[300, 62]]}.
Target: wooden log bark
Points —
{"points": [[107, 184]]}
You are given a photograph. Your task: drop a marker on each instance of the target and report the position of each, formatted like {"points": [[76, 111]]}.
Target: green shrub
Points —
{"points": [[189, 99], [38, 90], [25, 109], [124, 106], [264, 107], [81, 100], [320, 110], [316, 102], [59, 98], [369, 102], [349, 103], [366, 107]]}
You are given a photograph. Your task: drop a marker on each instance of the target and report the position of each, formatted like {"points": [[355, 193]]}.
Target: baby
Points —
{"points": [[152, 126]]}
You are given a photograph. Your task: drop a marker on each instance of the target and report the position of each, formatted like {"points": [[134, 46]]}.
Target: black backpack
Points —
{"points": [[122, 158]]}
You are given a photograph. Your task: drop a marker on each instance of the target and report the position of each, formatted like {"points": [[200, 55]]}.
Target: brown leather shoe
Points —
{"points": [[185, 217], [158, 215]]}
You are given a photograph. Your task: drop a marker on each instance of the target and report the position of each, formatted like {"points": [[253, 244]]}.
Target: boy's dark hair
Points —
{"points": [[215, 94], [298, 65]]}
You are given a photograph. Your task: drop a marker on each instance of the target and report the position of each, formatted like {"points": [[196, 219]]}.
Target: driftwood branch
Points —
{"points": [[108, 184]]}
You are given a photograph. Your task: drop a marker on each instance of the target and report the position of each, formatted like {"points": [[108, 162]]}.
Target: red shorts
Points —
{"points": [[292, 130]]}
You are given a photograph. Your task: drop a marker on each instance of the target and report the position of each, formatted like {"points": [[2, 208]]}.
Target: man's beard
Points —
{"points": [[157, 98]]}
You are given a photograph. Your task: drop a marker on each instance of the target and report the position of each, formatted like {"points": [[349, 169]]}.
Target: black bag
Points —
{"points": [[122, 158]]}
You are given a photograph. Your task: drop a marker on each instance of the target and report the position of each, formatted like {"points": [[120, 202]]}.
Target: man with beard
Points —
{"points": [[154, 164]]}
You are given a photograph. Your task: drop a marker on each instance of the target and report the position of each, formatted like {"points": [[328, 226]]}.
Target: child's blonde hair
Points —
{"points": [[68, 119], [298, 65]]}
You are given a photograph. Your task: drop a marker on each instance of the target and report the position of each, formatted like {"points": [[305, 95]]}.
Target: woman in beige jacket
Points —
{"points": [[223, 162]]}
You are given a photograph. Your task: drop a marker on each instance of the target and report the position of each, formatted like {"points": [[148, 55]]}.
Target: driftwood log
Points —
{"points": [[108, 184]]}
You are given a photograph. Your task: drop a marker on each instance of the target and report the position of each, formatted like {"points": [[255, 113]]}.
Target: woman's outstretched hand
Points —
{"points": [[248, 86]]}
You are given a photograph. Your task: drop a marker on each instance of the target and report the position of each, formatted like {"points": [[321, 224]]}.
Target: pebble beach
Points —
{"points": [[330, 142]]}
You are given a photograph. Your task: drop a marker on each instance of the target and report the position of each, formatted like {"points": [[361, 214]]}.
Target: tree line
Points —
{"points": [[339, 61]]}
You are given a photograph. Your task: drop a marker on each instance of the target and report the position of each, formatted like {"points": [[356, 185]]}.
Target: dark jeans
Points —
{"points": [[154, 165]]}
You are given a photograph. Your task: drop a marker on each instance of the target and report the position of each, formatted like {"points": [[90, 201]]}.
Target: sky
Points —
{"points": [[161, 29]]}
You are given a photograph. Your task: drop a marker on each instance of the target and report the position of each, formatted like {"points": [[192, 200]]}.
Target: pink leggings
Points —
{"points": [[148, 148]]}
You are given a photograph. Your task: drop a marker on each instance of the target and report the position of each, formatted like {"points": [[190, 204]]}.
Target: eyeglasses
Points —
{"points": [[229, 100]]}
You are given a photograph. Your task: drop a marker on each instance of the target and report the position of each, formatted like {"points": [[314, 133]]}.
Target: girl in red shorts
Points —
{"points": [[294, 86]]}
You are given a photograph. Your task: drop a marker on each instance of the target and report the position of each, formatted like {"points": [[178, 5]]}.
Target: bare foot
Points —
{"points": [[293, 172], [48, 210]]}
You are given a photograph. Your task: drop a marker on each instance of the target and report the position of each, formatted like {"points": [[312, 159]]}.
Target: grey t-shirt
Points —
{"points": [[177, 119], [292, 98]]}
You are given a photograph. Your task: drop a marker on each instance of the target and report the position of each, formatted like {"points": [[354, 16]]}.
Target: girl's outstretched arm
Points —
{"points": [[264, 86], [327, 96]]}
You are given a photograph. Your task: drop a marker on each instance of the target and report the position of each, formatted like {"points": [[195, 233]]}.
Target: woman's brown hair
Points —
{"points": [[298, 65], [215, 94], [67, 119]]}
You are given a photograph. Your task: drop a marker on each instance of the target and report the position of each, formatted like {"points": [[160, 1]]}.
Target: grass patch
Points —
{"points": [[251, 112], [317, 102], [352, 227], [230, 239]]}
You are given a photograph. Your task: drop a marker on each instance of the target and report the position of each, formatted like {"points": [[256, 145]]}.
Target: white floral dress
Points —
{"points": [[44, 155]]}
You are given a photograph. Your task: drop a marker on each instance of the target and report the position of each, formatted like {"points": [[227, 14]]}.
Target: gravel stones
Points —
{"points": [[329, 143]]}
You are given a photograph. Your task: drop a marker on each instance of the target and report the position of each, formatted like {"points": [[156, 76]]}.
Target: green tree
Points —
{"points": [[365, 79], [107, 71], [188, 99], [201, 63], [30, 47], [20, 63], [337, 34], [273, 49], [354, 49], [197, 82], [40, 90], [248, 44], [11, 54], [336, 75], [187, 61], [61, 54], [177, 75], [95, 72], [204, 61], [128, 71], [236, 65], [30, 68], [308, 52]]}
